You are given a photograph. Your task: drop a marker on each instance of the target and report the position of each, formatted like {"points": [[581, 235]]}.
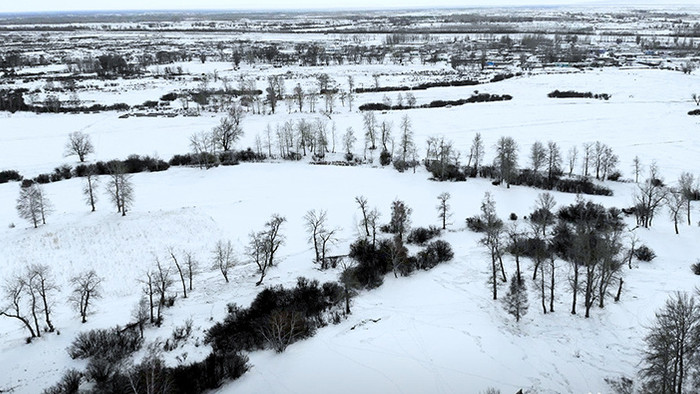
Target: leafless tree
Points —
{"points": [[120, 188], [506, 160], [637, 168], [33, 205], [229, 129], [649, 196], [91, 182], [406, 138], [370, 124], [538, 156], [443, 208], [587, 156], [675, 202], [14, 290], [299, 96], [476, 154], [203, 145], [689, 187], [348, 279], [351, 91], [572, 158], [349, 140], [86, 288], [223, 258], [163, 281], [79, 144], [180, 270], [492, 240], [264, 244], [553, 159], [42, 283], [275, 90]]}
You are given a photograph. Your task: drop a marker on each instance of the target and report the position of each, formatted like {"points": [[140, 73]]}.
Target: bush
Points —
{"points": [[349, 156], [9, 175], [109, 344], [694, 112], [435, 253], [69, 384], [169, 97], [644, 253], [385, 158], [62, 172], [513, 216], [248, 156], [209, 373], [400, 165], [696, 268], [82, 170], [43, 178], [476, 225], [421, 235], [181, 160], [372, 261], [249, 328]]}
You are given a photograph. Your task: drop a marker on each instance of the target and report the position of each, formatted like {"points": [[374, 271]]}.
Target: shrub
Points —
{"points": [[69, 384], [250, 328], [248, 156], [513, 216], [372, 261], [349, 156], [209, 373], [696, 267], [43, 178], [400, 165], [435, 253], [421, 235], [644, 253], [476, 225], [150, 104], [109, 344], [63, 172], [181, 160], [694, 112], [385, 158], [9, 175], [82, 170], [169, 97]]}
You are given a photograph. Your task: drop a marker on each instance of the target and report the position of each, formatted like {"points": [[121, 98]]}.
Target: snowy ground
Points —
{"points": [[436, 331]]}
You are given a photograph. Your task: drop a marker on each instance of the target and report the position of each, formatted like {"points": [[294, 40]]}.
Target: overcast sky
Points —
{"points": [[87, 5]]}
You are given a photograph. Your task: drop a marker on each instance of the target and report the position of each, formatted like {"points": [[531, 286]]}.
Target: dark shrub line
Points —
{"points": [[476, 98], [574, 94]]}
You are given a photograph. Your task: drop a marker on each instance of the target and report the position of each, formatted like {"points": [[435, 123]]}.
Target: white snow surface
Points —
{"points": [[435, 331]]}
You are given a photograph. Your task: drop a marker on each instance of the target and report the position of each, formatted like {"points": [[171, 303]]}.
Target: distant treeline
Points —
{"points": [[574, 94], [441, 84]]}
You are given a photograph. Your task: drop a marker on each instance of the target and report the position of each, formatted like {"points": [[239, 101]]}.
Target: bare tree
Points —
{"points": [[33, 205], [515, 301], [476, 154], [492, 239], [91, 182], [79, 144], [14, 289], [86, 288], [443, 208], [223, 258], [319, 235], [637, 168], [406, 138], [362, 203], [553, 159], [203, 145], [348, 279], [162, 280], [229, 129], [275, 90], [689, 189], [538, 156], [192, 267], [506, 160], [572, 159], [42, 283], [299, 96], [264, 244], [349, 140], [675, 202], [180, 270], [587, 155], [351, 91], [370, 124], [649, 196], [120, 188], [671, 347]]}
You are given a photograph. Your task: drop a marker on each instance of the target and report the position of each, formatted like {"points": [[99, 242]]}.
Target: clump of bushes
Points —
{"points": [[476, 224], [694, 112], [109, 344], [574, 94], [9, 175], [475, 98], [644, 253], [69, 384], [172, 96], [276, 314], [421, 235], [435, 253]]}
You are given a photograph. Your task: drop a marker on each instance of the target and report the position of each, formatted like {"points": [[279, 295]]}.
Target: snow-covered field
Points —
{"points": [[435, 331]]}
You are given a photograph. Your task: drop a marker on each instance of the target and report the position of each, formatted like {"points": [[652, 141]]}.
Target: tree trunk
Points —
{"points": [[551, 288], [619, 291], [575, 289]]}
